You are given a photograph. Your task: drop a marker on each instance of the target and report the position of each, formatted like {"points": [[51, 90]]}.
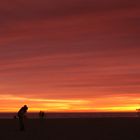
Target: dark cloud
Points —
{"points": [[29, 10]]}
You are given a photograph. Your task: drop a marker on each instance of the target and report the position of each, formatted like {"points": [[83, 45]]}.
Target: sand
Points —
{"points": [[72, 129]]}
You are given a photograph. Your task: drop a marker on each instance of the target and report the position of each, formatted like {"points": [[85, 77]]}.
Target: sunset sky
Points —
{"points": [[70, 55]]}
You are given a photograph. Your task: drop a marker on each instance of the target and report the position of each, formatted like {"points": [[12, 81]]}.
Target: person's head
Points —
{"points": [[25, 107]]}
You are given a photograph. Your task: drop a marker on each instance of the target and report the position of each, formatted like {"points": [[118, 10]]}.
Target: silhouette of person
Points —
{"points": [[41, 115], [21, 116]]}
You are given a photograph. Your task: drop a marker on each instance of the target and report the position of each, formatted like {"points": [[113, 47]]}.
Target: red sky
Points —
{"points": [[77, 55]]}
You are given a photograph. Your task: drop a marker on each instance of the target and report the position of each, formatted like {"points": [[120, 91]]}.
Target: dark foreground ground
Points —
{"points": [[72, 129]]}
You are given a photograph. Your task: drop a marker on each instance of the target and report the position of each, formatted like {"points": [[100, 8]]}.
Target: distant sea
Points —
{"points": [[73, 115]]}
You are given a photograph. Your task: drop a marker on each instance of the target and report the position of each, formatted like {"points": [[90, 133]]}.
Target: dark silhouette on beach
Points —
{"points": [[41, 114], [21, 115], [138, 112]]}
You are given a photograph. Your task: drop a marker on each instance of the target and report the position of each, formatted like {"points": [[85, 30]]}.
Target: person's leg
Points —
{"points": [[21, 123]]}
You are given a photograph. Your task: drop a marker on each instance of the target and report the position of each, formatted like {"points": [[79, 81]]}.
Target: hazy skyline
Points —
{"points": [[78, 55]]}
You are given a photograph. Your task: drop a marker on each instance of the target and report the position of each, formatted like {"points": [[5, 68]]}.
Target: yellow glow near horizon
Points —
{"points": [[112, 104]]}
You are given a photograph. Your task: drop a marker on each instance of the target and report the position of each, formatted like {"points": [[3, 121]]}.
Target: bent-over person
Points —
{"points": [[21, 116]]}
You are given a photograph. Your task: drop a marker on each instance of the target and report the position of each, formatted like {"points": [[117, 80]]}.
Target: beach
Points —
{"points": [[72, 129]]}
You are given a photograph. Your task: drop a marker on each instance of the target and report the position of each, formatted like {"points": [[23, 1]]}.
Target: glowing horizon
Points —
{"points": [[71, 105]]}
